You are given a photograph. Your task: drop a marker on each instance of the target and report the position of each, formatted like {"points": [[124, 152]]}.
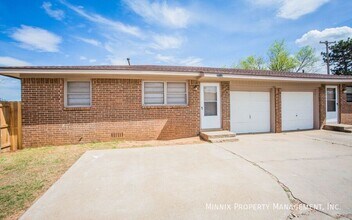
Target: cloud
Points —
{"points": [[163, 42], [290, 9], [57, 14], [10, 61], [188, 61], [34, 38], [313, 37], [191, 61], [89, 60], [295, 9], [116, 60], [98, 19], [160, 12], [165, 59], [89, 41]]}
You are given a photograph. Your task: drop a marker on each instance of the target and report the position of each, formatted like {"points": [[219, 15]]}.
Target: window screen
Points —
{"points": [[331, 99], [153, 93], [176, 93], [349, 93], [78, 93], [210, 101], [160, 93]]}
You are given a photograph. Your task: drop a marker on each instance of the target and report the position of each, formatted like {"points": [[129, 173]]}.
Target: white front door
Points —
{"points": [[250, 112], [297, 111], [210, 106], [332, 105]]}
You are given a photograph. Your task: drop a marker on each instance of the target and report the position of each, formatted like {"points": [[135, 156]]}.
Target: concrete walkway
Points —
{"points": [[176, 182]]}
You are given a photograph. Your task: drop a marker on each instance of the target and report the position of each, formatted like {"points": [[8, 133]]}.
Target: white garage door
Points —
{"points": [[297, 110], [250, 112]]}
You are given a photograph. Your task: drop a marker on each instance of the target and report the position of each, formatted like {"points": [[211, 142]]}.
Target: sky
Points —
{"points": [[215, 33]]}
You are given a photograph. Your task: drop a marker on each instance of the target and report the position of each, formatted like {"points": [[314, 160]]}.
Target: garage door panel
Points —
{"points": [[260, 97], [260, 116], [250, 112], [240, 116], [290, 115], [241, 127], [261, 106], [297, 110], [260, 127]]}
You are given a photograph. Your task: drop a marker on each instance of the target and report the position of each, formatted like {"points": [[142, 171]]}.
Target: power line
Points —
{"points": [[327, 54]]}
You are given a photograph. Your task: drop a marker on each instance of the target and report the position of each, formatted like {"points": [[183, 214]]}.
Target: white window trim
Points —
{"points": [[65, 94], [347, 93], [165, 93]]}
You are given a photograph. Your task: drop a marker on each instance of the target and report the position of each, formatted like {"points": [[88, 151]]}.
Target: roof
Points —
{"points": [[179, 69]]}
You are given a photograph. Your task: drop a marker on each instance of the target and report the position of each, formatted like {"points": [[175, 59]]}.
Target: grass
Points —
{"points": [[27, 174]]}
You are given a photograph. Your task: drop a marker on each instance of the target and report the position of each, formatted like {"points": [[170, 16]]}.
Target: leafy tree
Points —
{"points": [[279, 57], [252, 63], [306, 59], [340, 57]]}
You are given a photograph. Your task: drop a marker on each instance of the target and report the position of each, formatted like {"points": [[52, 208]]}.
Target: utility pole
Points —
{"points": [[327, 54]]}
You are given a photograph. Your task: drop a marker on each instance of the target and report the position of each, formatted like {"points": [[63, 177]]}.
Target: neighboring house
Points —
{"points": [[72, 104]]}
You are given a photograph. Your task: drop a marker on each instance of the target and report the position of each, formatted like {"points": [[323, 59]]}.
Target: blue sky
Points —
{"points": [[196, 33]]}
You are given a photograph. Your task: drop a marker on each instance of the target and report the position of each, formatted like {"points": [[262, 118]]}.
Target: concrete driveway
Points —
{"points": [[315, 167], [267, 176]]}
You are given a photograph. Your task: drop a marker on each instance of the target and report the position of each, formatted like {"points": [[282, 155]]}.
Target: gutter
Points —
{"points": [[278, 78], [20, 73]]}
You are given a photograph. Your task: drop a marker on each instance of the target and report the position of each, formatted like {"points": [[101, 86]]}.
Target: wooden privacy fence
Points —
{"points": [[10, 126]]}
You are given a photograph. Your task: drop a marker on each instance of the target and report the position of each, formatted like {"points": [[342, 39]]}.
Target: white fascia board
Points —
{"points": [[18, 72], [275, 78]]}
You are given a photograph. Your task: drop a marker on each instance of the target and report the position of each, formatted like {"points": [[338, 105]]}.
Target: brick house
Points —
{"points": [[73, 104]]}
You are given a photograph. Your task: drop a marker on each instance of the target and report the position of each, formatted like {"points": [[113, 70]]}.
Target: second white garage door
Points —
{"points": [[297, 110], [250, 112]]}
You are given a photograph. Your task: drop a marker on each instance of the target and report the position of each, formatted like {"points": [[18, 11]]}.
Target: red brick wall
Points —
{"points": [[278, 117], [322, 106], [225, 105], [116, 109], [345, 107]]}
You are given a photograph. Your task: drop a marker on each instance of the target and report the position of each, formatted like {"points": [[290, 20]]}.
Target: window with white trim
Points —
{"points": [[78, 94], [349, 93], [164, 93]]}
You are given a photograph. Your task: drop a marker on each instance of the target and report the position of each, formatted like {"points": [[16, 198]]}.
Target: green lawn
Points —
{"points": [[27, 174]]}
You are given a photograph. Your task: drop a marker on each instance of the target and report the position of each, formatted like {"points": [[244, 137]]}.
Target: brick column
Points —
{"points": [[278, 120], [322, 106], [345, 108], [225, 105]]}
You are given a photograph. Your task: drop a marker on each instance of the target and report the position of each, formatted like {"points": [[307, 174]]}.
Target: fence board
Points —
{"points": [[19, 125], [10, 126]]}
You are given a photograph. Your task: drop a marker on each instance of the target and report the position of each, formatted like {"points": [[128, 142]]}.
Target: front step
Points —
{"points": [[338, 127], [218, 136]]}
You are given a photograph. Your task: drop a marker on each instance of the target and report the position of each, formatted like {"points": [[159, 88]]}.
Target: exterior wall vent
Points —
{"points": [[117, 135]]}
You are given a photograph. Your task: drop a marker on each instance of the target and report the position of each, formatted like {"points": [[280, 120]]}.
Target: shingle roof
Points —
{"points": [[161, 68]]}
